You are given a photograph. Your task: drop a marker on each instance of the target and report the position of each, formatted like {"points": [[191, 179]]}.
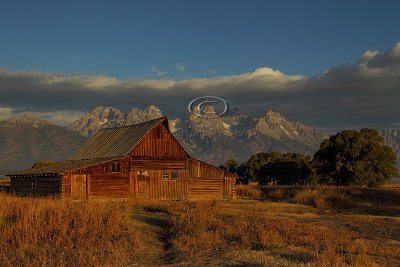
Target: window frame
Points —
{"points": [[115, 166], [170, 175], [165, 175], [174, 173]]}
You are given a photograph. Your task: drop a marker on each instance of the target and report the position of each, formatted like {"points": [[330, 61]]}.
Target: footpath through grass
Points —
{"points": [[268, 232]]}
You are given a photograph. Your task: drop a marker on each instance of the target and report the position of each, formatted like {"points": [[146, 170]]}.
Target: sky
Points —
{"points": [[329, 64]]}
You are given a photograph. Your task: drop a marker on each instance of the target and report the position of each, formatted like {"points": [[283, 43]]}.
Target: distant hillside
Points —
{"points": [[28, 139]]}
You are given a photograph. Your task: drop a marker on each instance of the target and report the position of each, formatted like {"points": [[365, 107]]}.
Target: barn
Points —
{"points": [[141, 161]]}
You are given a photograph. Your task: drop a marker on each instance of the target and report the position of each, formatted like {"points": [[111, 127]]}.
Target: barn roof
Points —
{"points": [[59, 167], [115, 142]]}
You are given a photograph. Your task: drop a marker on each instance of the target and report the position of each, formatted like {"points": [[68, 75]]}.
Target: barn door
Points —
{"points": [[79, 186], [143, 184], [227, 188]]}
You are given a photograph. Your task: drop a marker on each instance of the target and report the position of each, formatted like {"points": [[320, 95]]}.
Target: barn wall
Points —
{"points": [[101, 181], [197, 180], [45, 185], [105, 167], [208, 182], [158, 143], [66, 185], [109, 185], [154, 187], [157, 164]]}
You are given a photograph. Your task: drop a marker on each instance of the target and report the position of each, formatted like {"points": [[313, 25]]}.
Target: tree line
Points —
{"points": [[348, 158]]}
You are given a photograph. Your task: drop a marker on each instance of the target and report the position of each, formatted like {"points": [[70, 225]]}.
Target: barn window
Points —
{"points": [[170, 175], [34, 184], [174, 175], [116, 166]]}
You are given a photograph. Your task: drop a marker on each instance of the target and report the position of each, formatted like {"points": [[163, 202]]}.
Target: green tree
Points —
{"points": [[355, 158], [291, 169], [42, 163], [243, 171], [231, 164], [282, 168], [222, 166], [256, 166]]}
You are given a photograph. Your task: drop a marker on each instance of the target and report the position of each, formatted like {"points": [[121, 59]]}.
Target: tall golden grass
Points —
{"points": [[53, 232], [323, 196], [204, 230], [56, 232]]}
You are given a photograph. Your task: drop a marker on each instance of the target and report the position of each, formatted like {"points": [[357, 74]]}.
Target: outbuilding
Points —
{"points": [[142, 161]]}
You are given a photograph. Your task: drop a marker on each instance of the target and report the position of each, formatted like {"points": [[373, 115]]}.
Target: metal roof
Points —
{"points": [[59, 167], [115, 142]]}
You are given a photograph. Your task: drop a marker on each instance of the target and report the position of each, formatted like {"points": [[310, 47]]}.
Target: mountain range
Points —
{"points": [[28, 139], [236, 135]]}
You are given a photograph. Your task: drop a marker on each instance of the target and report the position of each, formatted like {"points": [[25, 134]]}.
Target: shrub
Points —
{"points": [[247, 191]]}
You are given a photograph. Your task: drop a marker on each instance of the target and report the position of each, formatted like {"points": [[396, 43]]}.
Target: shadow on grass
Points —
{"points": [[161, 221], [365, 209]]}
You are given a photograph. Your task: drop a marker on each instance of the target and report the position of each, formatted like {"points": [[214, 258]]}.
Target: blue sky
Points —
{"points": [[149, 39], [328, 64]]}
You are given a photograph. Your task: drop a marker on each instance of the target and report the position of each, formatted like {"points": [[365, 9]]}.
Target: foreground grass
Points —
{"points": [[50, 232], [281, 234], [280, 230]]}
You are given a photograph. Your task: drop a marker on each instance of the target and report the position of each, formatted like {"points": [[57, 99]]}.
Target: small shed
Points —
{"points": [[142, 161]]}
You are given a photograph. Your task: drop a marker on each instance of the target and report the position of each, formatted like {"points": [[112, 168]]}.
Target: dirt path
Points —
{"points": [[157, 228]]}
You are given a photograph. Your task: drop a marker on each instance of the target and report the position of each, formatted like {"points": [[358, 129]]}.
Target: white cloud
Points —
{"points": [[359, 94], [211, 71], [367, 56], [157, 71], [5, 112], [180, 67], [59, 117], [395, 51]]}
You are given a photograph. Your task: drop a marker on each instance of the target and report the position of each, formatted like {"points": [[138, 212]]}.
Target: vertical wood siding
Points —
{"points": [[159, 188], [79, 186], [141, 172], [101, 181], [109, 185], [209, 182], [159, 143], [66, 185], [197, 180]]}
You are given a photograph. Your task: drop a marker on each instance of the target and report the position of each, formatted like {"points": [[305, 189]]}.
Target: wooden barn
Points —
{"points": [[142, 161]]}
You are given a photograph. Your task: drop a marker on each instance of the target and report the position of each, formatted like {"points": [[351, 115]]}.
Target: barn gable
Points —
{"points": [[115, 142], [159, 143]]}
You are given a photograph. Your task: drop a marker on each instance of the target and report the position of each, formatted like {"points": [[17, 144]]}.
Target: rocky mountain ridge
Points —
{"points": [[234, 135], [27, 139], [108, 117]]}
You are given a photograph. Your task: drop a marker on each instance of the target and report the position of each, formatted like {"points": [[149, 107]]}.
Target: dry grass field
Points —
{"points": [[270, 226]]}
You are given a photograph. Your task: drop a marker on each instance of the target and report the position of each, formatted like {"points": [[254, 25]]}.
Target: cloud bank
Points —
{"points": [[364, 94]]}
